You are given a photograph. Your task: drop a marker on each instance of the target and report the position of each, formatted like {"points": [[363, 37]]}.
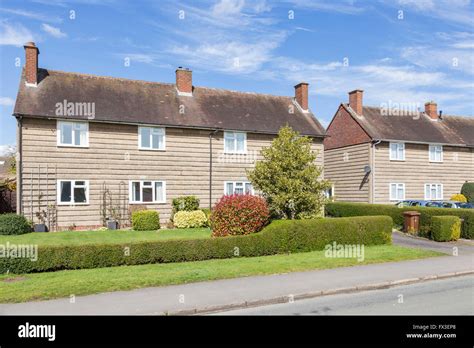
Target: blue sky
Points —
{"points": [[401, 51]]}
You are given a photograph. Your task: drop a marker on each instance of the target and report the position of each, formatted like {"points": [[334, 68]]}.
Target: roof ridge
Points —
{"points": [[160, 83]]}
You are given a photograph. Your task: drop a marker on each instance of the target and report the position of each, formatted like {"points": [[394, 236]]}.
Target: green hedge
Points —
{"points": [[12, 223], [145, 220], [445, 228], [345, 209], [277, 238]]}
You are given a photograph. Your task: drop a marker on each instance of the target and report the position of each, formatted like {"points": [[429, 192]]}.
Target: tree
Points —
{"points": [[289, 178]]}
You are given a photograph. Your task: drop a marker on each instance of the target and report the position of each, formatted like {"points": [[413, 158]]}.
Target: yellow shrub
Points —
{"points": [[459, 197], [190, 219]]}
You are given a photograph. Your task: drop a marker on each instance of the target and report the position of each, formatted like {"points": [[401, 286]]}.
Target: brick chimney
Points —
{"points": [[31, 65], [301, 95], [184, 81], [431, 109], [355, 100]]}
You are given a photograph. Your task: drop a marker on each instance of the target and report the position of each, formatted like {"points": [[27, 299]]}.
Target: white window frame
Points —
{"points": [[163, 148], [398, 144], [436, 185], [130, 191], [243, 182], [326, 192], [244, 151], [58, 132], [434, 147], [396, 190], [73, 185]]}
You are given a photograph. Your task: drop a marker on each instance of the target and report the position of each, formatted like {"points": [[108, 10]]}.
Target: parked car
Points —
{"points": [[412, 203], [451, 204], [466, 205], [434, 204]]}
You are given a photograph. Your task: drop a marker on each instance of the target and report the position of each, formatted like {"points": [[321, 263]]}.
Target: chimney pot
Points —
{"points": [[184, 81], [31, 63], [301, 95], [431, 109], [355, 100]]}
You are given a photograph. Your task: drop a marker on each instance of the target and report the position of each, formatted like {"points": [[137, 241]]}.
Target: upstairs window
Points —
{"points": [[73, 191], [235, 142], [436, 153], [397, 151], [433, 191], [151, 138], [238, 188], [147, 191], [73, 133]]}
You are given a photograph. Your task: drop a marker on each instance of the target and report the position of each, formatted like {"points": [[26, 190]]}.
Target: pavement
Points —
{"points": [[452, 296], [207, 297]]}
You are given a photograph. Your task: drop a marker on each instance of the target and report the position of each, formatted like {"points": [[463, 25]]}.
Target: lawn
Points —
{"points": [[42, 286], [104, 237]]}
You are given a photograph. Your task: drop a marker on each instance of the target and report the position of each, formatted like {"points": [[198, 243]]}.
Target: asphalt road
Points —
{"points": [[453, 296]]}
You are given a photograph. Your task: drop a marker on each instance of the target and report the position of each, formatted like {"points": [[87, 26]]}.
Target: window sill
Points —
{"points": [[72, 204], [436, 161], [74, 146], [145, 149], [147, 203], [235, 153], [397, 160]]}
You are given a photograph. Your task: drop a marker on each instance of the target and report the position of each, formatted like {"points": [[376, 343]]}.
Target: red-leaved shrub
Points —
{"points": [[238, 215]]}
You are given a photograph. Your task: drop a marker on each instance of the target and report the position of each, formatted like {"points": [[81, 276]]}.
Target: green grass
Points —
{"points": [[104, 237], [42, 286]]}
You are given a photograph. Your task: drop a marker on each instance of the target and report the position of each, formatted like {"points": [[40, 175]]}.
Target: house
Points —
{"points": [[92, 147], [383, 155]]}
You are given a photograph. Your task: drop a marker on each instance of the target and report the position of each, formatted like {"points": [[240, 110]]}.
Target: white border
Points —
{"points": [[150, 148], [58, 190], [141, 187], [58, 133]]}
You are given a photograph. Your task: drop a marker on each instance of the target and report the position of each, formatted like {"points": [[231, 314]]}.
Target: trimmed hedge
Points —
{"points": [[467, 190], [190, 219], [12, 223], [445, 228], [345, 209], [145, 220], [277, 238]]}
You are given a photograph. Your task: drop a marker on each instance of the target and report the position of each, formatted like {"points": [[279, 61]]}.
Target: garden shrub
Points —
{"points": [[280, 237], [12, 223], [344, 209], [467, 190], [459, 197], [184, 203], [207, 212], [445, 228], [190, 219], [145, 220], [239, 215]]}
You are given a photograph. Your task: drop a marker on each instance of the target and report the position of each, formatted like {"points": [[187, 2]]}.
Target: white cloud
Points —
{"points": [[32, 15], [338, 6], [14, 34], [6, 101], [455, 11], [53, 31], [227, 7], [7, 150]]}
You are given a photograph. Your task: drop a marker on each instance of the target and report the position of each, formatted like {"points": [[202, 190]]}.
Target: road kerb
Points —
{"points": [[285, 299]]}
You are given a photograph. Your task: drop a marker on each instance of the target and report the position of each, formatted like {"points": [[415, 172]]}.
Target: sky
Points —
{"points": [[398, 51]]}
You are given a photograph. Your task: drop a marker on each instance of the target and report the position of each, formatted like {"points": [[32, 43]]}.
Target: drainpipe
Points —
{"points": [[372, 165], [210, 167], [19, 166]]}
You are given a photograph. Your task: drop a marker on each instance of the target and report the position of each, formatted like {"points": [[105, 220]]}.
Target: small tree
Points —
{"points": [[289, 178]]}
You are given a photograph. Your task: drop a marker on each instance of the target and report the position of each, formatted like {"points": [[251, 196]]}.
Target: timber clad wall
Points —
{"points": [[416, 171], [113, 157], [344, 167]]}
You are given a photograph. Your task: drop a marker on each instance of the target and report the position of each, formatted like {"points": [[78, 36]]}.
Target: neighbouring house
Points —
{"points": [[92, 147], [383, 155]]}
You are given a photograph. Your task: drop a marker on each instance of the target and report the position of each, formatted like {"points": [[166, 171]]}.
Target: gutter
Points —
{"points": [[19, 166], [210, 166], [372, 166]]}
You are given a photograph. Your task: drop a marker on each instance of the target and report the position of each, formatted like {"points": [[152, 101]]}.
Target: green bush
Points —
{"points": [[277, 238], [445, 228], [345, 209], [14, 224], [185, 203], [207, 212], [190, 219], [467, 190], [145, 220]]}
